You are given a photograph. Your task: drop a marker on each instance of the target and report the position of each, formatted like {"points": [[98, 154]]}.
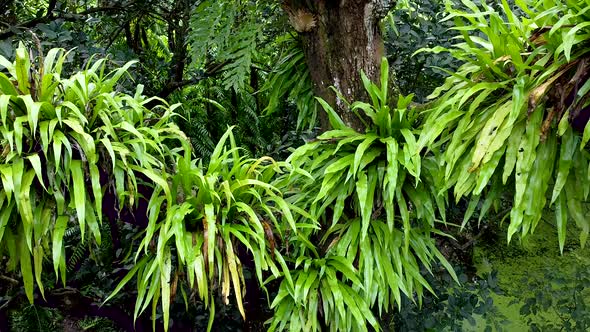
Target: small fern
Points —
{"points": [[79, 254], [205, 120], [210, 26], [35, 318], [97, 324]]}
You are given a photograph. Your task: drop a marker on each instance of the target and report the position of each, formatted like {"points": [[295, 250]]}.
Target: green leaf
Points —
{"points": [[488, 134], [138, 265], [58, 233], [340, 164], [566, 154], [6, 86], [79, 193], [569, 39], [512, 151], [360, 151], [115, 75], [18, 133], [96, 189], [22, 68], [36, 163], [235, 275], [286, 271], [92, 222], [211, 230], [165, 288], [24, 204], [335, 120], [363, 195], [384, 80], [214, 161], [363, 307], [8, 65], [32, 112], [159, 180], [561, 218], [574, 208], [336, 292], [369, 88], [5, 212], [38, 254], [26, 268], [311, 283], [473, 203], [352, 307], [346, 268], [405, 214]]}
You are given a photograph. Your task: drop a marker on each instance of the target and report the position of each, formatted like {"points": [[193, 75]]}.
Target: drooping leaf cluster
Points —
{"points": [[509, 117], [376, 199], [290, 79], [68, 142], [221, 206], [60, 137]]}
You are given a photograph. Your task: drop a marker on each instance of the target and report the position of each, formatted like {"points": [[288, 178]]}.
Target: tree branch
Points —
{"points": [[51, 16], [173, 86]]}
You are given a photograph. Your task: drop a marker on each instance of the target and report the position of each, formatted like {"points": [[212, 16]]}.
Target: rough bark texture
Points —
{"points": [[342, 39]]}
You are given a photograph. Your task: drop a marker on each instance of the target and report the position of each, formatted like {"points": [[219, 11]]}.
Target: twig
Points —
{"points": [[14, 281]]}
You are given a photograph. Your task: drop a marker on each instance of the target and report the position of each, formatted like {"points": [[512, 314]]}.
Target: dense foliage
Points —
{"points": [[415, 25], [375, 198], [209, 200], [64, 141], [509, 116]]}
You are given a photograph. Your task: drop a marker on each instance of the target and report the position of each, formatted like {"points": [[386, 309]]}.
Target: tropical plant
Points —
{"points": [[218, 208], [208, 110], [229, 33], [413, 25], [509, 115], [376, 198], [65, 140], [290, 80], [35, 318], [68, 143]]}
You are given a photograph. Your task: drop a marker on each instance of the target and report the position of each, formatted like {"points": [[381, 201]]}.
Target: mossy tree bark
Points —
{"points": [[340, 38]]}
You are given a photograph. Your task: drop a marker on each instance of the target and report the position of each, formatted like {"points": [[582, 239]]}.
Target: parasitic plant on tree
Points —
{"points": [[516, 112], [375, 196]]}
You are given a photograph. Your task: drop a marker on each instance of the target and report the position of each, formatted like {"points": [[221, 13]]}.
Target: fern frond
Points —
{"points": [[239, 56], [201, 138], [219, 34], [78, 256]]}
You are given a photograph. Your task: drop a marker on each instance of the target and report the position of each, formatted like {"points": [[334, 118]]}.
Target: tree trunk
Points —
{"points": [[340, 38]]}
